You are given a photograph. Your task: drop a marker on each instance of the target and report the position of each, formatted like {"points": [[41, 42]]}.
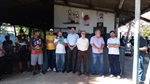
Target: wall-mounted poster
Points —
{"points": [[99, 24]]}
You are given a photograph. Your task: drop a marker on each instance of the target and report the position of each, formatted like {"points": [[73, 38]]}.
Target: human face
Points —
{"points": [[83, 34], [98, 33], [72, 30], [51, 33], [112, 34], [37, 34], [59, 34]]}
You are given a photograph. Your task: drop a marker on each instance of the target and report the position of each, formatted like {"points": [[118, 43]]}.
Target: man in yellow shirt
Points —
{"points": [[51, 50]]}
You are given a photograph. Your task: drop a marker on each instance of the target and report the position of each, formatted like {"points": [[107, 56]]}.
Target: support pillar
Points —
{"points": [[136, 41]]}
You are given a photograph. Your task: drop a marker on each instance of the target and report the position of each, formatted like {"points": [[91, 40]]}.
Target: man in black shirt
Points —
{"points": [[142, 53], [24, 54]]}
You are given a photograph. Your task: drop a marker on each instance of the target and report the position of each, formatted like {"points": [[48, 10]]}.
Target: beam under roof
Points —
{"points": [[121, 4], [90, 4], [66, 2]]}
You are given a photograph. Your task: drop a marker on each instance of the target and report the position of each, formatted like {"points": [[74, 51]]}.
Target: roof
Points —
{"points": [[39, 13]]}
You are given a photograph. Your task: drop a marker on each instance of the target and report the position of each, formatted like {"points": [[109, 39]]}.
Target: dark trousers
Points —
{"points": [[82, 55], [1, 65], [51, 58], [114, 64], [72, 59]]}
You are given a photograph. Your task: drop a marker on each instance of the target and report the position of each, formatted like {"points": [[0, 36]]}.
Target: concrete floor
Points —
{"points": [[69, 78]]}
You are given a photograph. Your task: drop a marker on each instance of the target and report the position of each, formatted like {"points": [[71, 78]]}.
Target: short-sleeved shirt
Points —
{"points": [[60, 48], [114, 51], [7, 45], [50, 46], [36, 43], [72, 39], [22, 39], [97, 42], [143, 43]]}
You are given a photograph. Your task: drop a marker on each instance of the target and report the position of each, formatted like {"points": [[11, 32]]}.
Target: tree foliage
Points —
{"points": [[146, 31]]}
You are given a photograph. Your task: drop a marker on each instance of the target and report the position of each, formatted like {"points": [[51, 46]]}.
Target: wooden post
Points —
{"points": [[15, 30], [30, 32]]}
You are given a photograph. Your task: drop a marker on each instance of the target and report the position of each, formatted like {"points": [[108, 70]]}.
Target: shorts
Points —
{"points": [[36, 58], [24, 55]]}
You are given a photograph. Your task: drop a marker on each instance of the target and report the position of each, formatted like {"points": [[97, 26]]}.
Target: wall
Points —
{"points": [[61, 15]]}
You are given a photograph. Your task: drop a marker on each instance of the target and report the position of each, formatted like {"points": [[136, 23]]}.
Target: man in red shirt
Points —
{"points": [[36, 45]]}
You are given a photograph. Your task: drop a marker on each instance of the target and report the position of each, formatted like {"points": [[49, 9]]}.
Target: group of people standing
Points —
{"points": [[67, 54], [77, 51]]}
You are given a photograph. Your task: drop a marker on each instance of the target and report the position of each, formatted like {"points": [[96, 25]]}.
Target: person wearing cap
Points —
{"points": [[50, 46], [36, 44], [113, 44], [97, 43], [82, 45], [24, 54], [72, 50]]}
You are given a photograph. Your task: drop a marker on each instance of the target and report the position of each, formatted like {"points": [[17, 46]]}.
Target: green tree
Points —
{"points": [[146, 31]]}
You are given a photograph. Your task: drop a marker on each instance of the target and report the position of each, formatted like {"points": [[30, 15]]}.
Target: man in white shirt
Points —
{"points": [[113, 45], [60, 51], [82, 45], [72, 50]]}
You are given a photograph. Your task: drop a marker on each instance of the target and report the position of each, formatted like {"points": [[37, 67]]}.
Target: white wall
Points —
{"points": [[61, 15]]}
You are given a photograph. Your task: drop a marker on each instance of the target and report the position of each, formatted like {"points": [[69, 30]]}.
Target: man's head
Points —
{"points": [[59, 34], [7, 37], [132, 37], [112, 34], [36, 33], [51, 31], [146, 37], [97, 33], [72, 29], [122, 37], [21, 32], [83, 33]]}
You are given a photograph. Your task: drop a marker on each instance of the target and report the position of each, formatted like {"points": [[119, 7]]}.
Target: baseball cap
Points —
{"points": [[51, 30]]}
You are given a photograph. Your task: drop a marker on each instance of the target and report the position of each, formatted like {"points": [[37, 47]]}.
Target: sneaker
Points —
{"points": [[49, 69], [102, 76], [111, 76], [42, 72], [34, 73], [54, 69], [118, 77]]}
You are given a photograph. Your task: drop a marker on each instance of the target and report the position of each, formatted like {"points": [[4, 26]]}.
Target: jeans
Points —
{"points": [[147, 80], [100, 58], [114, 64], [60, 60], [141, 68], [51, 58]]}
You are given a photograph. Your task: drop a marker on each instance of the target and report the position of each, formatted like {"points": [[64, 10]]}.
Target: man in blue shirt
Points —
{"points": [[72, 50]]}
